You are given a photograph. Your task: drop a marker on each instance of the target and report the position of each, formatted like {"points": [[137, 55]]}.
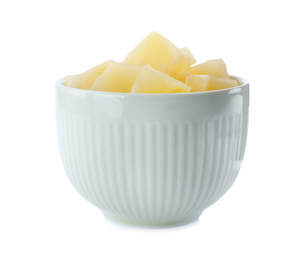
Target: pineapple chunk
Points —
{"points": [[207, 82], [189, 53], [215, 68], [86, 79], [192, 61], [67, 78], [117, 78], [158, 52], [150, 80], [183, 77]]}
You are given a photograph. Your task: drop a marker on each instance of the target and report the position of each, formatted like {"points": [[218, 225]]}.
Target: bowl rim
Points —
{"points": [[243, 81]]}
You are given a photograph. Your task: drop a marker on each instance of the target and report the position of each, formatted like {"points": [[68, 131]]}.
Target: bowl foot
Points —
{"points": [[151, 224]]}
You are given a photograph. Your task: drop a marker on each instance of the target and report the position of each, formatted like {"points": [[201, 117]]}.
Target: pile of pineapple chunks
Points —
{"points": [[155, 65]]}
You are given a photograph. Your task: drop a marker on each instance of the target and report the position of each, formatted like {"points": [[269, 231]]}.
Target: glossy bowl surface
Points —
{"points": [[154, 160]]}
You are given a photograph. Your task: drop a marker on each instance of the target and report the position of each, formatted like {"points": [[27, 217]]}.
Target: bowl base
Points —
{"points": [[150, 224]]}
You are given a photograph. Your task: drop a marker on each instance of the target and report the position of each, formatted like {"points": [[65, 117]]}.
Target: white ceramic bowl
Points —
{"points": [[154, 160]]}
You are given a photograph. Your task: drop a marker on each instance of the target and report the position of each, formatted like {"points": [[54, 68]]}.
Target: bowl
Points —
{"points": [[152, 160]]}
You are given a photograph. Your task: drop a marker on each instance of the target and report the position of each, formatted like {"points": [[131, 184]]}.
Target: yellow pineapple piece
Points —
{"points": [[192, 61], [158, 52], [67, 78], [86, 79], [215, 68], [117, 78], [150, 80], [207, 82], [185, 74], [189, 53]]}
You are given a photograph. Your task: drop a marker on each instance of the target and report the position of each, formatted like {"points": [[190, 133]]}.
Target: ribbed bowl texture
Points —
{"points": [[152, 160]]}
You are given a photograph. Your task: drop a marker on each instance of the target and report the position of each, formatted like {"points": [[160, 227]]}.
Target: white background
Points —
{"points": [[41, 214]]}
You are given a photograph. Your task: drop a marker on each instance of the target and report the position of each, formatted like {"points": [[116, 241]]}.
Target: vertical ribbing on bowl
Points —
{"points": [[77, 153], [226, 166], [152, 172]]}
